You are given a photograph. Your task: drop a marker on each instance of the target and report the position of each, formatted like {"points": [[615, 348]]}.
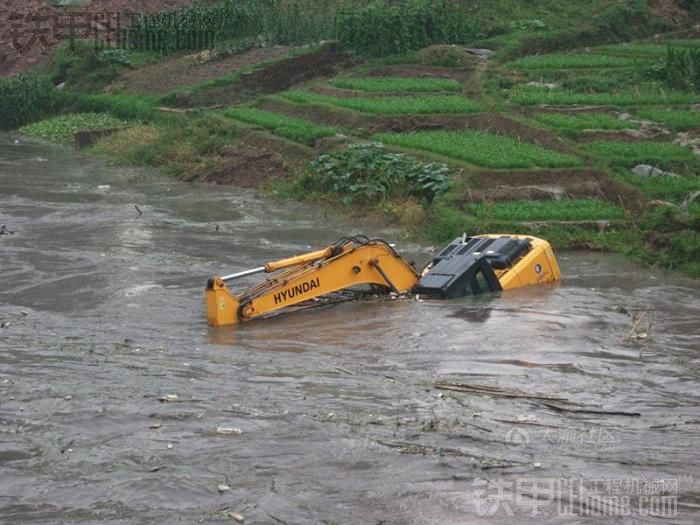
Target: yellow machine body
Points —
{"points": [[538, 266], [515, 261]]}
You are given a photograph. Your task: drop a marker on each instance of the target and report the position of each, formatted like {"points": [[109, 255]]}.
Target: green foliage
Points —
{"points": [[203, 24], [292, 128], [591, 83], [675, 119], [84, 68], [592, 23], [443, 56], [122, 105], [367, 173], [26, 98], [682, 69], [399, 105], [528, 96], [397, 84], [115, 56], [383, 28], [633, 49], [584, 121], [638, 152], [63, 127], [562, 210], [572, 61], [531, 24], [482, 149]]}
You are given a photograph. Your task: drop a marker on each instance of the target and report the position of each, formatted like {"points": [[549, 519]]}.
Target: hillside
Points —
{"points": [[573, 121]]}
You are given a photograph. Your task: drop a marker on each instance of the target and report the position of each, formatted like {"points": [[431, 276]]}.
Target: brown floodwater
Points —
{"points": [[327, 416]]}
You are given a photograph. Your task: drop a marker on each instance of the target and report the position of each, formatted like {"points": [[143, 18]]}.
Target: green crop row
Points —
{"points": [[63, 127], [534, 95], [572, 61], [203, 24], [637, 49], [675, 119], [482, 149], [26, 98], [398, 105], [397, 84], [584, 121], [384, 27], [562, 210], [292, 128], [638, 152]]}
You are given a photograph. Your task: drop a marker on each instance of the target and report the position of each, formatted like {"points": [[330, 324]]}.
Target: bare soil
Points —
{"points": [[279, 76], [630, 136], [410, 71], [526, 184], [179, 72], [31, 29], [256, 159]]}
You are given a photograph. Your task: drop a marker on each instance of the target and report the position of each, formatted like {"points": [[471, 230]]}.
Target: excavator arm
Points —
{"points": [[347, 263]]}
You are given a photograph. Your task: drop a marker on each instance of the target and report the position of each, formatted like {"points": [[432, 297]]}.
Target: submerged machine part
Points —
{"points": [[488, 263], [467, 266]]}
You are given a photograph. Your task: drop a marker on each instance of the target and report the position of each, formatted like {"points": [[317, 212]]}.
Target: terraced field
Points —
{"points": [[550, 138], [426, 116]]}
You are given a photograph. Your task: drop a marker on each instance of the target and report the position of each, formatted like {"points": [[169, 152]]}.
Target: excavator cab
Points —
{"points": [[467, 266], [488, 263]]}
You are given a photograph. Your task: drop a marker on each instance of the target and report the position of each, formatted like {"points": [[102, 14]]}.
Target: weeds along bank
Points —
{"points": [[397, 118]]}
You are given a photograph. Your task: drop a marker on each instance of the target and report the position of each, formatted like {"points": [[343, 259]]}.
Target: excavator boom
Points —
{"points": [[467, 266], [347, 263]]}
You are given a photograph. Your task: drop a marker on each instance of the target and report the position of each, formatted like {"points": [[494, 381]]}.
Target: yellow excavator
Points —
{"points": [[467, 266]]}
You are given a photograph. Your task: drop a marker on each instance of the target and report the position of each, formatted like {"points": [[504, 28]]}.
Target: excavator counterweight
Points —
{"points": [[467, 266]]}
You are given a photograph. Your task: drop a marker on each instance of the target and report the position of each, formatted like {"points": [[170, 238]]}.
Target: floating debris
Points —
{"points": [[229, 430], [224, 488], [170, 398], [238, 518]]}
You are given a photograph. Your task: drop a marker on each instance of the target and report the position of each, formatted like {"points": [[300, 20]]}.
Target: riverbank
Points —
{"points": [[586, 147]]}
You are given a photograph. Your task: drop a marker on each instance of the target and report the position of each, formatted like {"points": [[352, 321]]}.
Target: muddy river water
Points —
{"points": [[326, 416]]}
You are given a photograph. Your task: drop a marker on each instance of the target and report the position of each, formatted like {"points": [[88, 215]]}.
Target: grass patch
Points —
{"points": [[563, 210], [695, 42], [675, 119], [584, 121], [176, 144], [121, 105], [572, 61], [632, 49], [292, 128], [638, 152], [390, 105], [533, 95], [482, 149], [397, 84], [673, 189], [63, 127]]}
